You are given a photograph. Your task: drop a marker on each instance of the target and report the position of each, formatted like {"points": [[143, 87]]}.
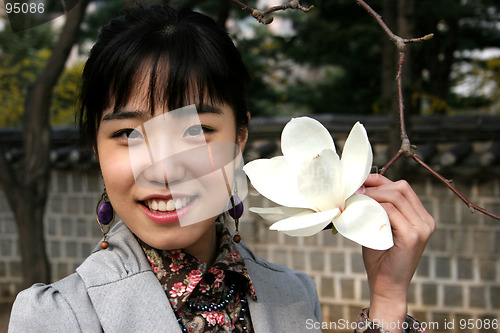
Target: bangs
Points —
{"points": [[169, 80], [181, 65]]}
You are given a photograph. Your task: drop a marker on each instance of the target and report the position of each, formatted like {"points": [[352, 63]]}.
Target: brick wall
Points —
{"points": [[458, 278], [70, 228]]}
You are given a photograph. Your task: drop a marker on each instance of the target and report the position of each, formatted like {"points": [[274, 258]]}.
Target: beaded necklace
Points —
{"points": [[199, 305]]}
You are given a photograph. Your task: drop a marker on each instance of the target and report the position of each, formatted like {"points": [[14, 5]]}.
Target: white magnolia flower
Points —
{"points": [[315, 187]]}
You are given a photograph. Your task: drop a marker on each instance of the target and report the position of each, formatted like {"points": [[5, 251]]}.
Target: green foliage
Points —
{"points": [[23, 56], [15, 80], [15, 77], [26, 43], [336, 48], [266, 85], [340, 35], [65, 97], [330, 63], [483, 80]]}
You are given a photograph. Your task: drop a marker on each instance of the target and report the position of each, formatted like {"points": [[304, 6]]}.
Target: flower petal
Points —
{"points": [[319, 181], [275, 214], [365, 222], [274, 179], [305, 223], [303, 138], [356, 160]]}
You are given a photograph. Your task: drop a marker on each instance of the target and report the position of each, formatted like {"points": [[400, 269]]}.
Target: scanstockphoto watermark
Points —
{"points": [[344, 324], [462, 324], [23, 15]]}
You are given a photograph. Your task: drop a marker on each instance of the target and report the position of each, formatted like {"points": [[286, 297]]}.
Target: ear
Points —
{"points": [[243, 135], [94, 149]]}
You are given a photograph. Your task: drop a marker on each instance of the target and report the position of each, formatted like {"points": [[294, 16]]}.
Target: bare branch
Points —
{"points": [[446, 182], [260, 15], [391, 162], [406, 147]]}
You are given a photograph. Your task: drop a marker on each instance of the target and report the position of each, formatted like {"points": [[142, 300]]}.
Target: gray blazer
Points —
{"points": [[115, 290]]}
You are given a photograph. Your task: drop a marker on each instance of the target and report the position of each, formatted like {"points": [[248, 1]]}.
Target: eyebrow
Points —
{"points": [[207, 108], [124, 114]]}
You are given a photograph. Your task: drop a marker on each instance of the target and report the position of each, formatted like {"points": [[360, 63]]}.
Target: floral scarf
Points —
{"points": [[205, 299]]}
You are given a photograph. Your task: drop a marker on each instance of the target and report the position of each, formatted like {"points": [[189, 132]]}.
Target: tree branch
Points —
{"points": [[407, 149], [260, 15], [472, 207]]}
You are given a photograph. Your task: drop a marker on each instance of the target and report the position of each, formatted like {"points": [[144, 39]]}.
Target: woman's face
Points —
{"points": [[166, 174]]}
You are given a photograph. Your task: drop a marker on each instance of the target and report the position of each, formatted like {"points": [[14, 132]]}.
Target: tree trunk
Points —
{"points": [[27, 191]]}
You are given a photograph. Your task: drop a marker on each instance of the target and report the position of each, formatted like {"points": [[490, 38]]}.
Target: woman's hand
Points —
{"points": [[390, 272]]}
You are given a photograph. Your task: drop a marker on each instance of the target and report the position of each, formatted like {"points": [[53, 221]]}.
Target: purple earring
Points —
{"points": [[235, 211], [105, 216]]}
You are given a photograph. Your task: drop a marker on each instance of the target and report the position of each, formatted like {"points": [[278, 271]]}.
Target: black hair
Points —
{"points": [[185, 54]]}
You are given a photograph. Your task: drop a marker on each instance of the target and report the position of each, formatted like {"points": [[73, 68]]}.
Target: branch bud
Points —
{"points": [[268, 20], [427, 37], [256, 13]]}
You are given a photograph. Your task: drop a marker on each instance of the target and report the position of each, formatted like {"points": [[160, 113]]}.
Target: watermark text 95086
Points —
{"points": [[24, 7], [23, 15]]}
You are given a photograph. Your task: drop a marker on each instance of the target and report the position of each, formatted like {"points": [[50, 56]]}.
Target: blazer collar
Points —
{"points": [[128, 297]]}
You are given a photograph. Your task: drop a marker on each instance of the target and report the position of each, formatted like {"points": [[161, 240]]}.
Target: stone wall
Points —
{"points": [[70, 228], [458, 278]]}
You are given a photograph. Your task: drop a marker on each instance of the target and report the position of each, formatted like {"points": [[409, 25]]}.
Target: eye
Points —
{"points": [[196, 130], [128, 134]]}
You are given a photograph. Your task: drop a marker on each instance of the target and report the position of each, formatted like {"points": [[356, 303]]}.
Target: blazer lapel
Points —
{"points": [[283, 303], [125, 293], [135, 304]]}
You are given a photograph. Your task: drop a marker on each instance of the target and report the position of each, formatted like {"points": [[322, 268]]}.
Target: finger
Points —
{"points": [[405, 235], [419, 219], [380, 182], [398, 220], [375, 179], [408, 241], [406, 190], [416, 203], [397, 200]]}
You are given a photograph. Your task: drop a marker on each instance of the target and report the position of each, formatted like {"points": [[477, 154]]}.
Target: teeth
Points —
{"points": [[153, 205], [170, 205], [178, 204], [162, 206], [167, 205]]}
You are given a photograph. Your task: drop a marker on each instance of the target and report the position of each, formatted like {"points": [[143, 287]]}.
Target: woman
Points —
{"points": [[162, 88]]}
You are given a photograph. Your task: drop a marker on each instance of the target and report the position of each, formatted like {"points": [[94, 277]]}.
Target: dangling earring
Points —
{"points": [[235, 211], [105, 216]]}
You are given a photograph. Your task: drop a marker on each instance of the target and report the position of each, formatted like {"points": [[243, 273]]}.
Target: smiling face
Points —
{"points": [[162, 174], [145, 65]]}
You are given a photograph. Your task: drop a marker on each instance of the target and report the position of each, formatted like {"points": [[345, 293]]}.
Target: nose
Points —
{"points": [[165, 173]]}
